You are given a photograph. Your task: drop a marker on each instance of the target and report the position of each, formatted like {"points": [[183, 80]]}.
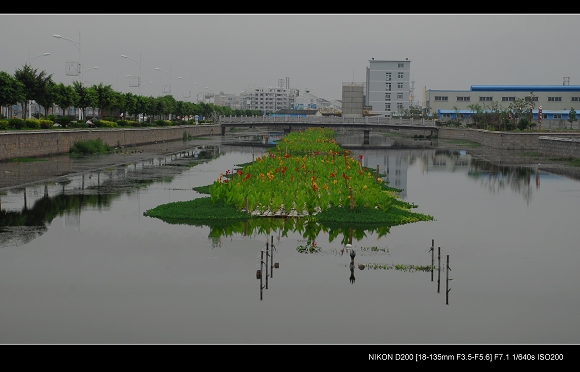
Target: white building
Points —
{"points": [[268, 99], [388, 88], [555, 100]]}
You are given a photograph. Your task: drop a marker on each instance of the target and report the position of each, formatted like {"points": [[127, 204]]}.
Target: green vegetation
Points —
{"points": [[27, 160], [90, 147], [307, 176]]}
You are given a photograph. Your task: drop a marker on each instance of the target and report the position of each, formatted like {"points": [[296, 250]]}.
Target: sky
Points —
{"points": [[231, 53]]}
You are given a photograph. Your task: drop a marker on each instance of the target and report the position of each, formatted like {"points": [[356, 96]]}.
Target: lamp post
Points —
{"points": [[179, 77], [30, 59], [124, 77], [169, 86], [139, 63], [77, 44]]}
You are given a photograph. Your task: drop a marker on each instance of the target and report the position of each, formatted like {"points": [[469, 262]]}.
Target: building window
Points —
{"points": [[533, 99], [387, 96], [440, 98], [463, 99], [485, 99], [400, 85], [387, 107], [400, 75], [387, 76], [401, 65], [399, 95], [387, 86], [575, 99], [445, 115], [508, 99], [557, 116], [399, 106], [554, 99], [544, 116]]}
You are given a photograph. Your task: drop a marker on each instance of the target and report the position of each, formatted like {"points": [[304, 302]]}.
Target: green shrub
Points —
{"points": [[162, 123], [3, 124], [32, 123], [105, 124], [64, 121], [135, 123], [16, 123], [523, 124], [46, 124], [95, 146], [122, 123], [52, 118]]}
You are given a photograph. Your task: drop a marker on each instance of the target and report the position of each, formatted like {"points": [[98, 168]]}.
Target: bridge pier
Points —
{"points": [[223, 130], [366, 137]]}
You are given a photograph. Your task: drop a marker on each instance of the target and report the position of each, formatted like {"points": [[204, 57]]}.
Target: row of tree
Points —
{"points": [[27, 84]]}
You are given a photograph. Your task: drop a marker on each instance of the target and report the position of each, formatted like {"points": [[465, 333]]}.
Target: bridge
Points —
{"points": [[425, 127]]}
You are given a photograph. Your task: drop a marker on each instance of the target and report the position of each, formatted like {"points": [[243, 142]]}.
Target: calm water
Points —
{"points": [[93, 269]]}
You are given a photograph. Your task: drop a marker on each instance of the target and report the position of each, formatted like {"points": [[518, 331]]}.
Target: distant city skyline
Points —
{"points": [[200, 53]]}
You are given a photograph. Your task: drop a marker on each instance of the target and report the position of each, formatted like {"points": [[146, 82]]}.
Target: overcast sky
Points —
{"points": [[234, 52]]}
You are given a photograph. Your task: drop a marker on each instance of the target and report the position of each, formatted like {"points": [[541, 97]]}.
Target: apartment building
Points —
{"points": [[388, 86]]}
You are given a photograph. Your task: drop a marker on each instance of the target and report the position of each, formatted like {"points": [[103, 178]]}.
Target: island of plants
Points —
{"points": [[306, 183]]}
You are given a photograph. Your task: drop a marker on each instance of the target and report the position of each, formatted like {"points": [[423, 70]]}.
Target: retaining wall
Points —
{"points": [[557, 144], [40, 143]]}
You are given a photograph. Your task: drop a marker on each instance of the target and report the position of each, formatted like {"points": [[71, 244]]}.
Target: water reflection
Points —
{"points": [[98, 188], [69, 196]]}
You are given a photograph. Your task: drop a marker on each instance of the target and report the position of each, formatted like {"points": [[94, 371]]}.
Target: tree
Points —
{"points": [[105, 97], [87, 96], [65, 97], [47, 97], [476, 113], [572, 116], [11, 90], [33, 83]]}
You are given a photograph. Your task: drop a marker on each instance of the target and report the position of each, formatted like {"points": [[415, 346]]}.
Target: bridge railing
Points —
{"points": [[325, 120]]}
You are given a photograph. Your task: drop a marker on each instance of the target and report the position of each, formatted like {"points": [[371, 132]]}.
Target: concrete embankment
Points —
{"points": [[561, 144], [53, 142]]}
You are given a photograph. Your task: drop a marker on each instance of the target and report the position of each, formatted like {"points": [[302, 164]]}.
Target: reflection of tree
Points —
{"points": [[47, 208], [309, 230], [496, 177]]}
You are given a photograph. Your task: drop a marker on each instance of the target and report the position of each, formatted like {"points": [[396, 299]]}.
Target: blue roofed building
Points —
{"points": [[556, 101]]}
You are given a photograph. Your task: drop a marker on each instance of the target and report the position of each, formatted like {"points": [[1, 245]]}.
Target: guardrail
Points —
{"points": [[325, 120]]}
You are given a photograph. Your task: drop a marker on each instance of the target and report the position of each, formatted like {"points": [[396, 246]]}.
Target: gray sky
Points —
{"points": [[231, 53]]}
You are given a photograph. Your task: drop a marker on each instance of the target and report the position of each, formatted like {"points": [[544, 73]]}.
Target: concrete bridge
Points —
{"points": [[365, 124]]}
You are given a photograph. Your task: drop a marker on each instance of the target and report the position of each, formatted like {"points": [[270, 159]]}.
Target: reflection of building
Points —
{"points": [[392, 163]]}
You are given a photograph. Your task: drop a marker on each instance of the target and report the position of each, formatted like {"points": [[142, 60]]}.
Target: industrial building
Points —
{"points": [[556, 101]]}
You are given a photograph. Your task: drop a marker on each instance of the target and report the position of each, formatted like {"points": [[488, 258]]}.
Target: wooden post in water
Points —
{"points": [[272, 260], [432, 257], [447, 285], [261, 265], [438, 268], [267, 254]]}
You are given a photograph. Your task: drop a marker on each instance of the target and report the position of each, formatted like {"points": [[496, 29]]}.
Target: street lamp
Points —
{"points": [[179, 77], [77, 44], [139, 63], [35, 57], [169, 86]]}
